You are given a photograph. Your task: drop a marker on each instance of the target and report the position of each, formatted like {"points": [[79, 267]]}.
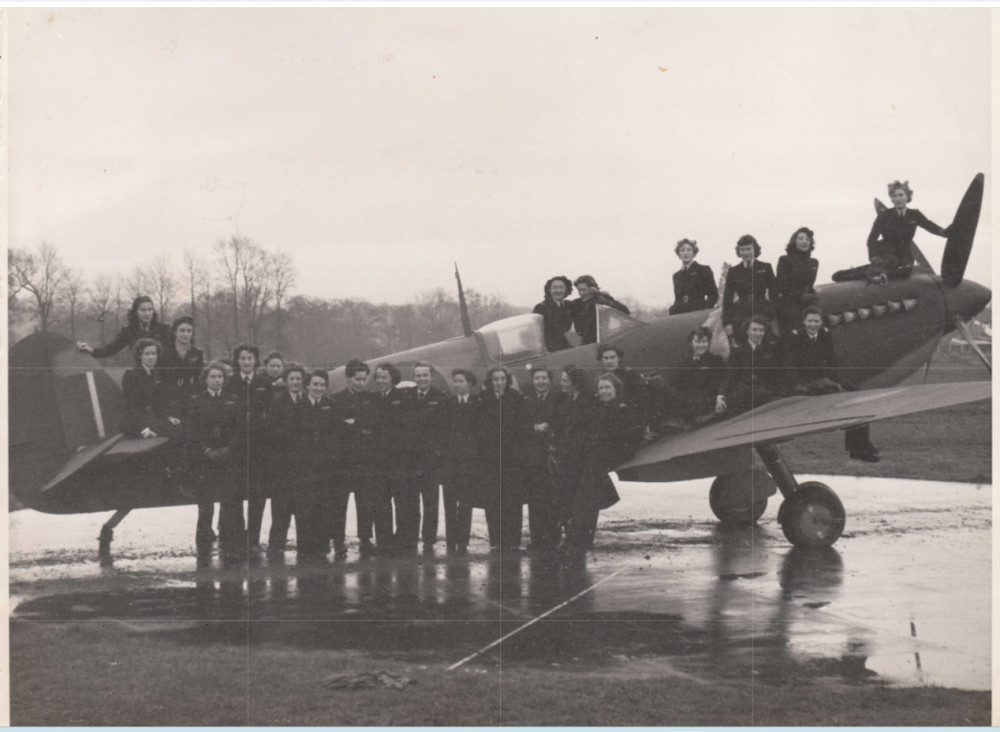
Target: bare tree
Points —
{"points": [[74, 292], [100, 302], [42, 277], [137, 283], [246, 268], [162, 286], [282, 279]]}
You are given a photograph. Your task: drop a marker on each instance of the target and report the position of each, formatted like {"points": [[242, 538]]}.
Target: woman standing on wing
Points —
{"points": [[796, 279], [142, 323], [694, 284]]}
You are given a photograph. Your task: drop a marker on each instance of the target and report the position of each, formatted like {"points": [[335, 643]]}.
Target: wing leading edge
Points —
{"points": [[722, 447]]}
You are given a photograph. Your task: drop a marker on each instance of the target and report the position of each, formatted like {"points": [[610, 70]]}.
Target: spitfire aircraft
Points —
{"points": [[66, 455]]}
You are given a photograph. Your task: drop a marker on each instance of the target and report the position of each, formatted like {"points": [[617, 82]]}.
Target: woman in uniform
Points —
{"points": [[214, 435], [149, 409], [142, 323], [755, 370], [611, 437], [572, 417], [182, 363], [279, 430], [750, 286], [694, 284], [891, 237], [253, 394], [505, 431], [796, 279]]}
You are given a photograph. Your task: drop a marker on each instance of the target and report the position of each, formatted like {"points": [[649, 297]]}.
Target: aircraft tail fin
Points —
{"points": [[60, 400]]}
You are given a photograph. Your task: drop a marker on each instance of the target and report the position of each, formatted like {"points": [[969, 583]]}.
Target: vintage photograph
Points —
{"points": [[499, 366]]}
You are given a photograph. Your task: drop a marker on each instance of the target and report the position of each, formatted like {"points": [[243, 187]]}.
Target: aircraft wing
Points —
{"points": [[721, 447]]}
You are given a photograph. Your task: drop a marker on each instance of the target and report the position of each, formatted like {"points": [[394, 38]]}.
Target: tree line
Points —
{"points": [[240, 292]]}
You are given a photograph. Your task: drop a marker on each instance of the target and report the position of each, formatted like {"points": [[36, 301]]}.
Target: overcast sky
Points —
{"points": [[378, 146]]}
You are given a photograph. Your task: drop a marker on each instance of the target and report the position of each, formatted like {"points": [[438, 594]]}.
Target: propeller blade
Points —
{"points": [[963, 233], [963, 328]]}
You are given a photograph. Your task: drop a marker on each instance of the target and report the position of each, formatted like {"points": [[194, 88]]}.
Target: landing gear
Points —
{"points": [[108, 534], [739, 499], [811, 514]]}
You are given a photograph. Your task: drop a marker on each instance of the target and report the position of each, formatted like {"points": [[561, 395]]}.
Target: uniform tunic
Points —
{"points": [[571, 422], [214, 434], [558, 321], [505, 425], [541, 492], [355, 469], [279, 426], [694, 289], [182, 373], [423, 426], [812, 368], [148, 403], [749, 290], [462, 470], [313, 444], [795, 282], [892, 235], [611, 437], [695, 386], [753, 377]]}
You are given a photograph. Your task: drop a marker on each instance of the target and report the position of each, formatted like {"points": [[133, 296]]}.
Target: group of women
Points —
{"points": [[248, 433]]}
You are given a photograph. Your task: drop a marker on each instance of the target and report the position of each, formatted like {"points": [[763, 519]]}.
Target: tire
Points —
{"points": [[813, 516], [730, 513]]}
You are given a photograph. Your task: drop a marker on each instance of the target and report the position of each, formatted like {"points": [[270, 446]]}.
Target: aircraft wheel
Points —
{"points": [[813, 516], [723, 499]]}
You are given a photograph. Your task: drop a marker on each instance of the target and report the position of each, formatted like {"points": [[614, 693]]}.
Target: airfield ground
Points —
{"points": [[715, 629]]}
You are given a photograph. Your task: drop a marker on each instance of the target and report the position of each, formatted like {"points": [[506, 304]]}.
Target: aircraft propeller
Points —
{"points": [[963, 233]]}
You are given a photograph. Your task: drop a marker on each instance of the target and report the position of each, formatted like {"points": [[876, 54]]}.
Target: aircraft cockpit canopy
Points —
{"points": [[513, 339], [611, 322]]}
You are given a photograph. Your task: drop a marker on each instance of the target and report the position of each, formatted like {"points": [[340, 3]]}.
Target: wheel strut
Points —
{"points": [[108, 534], [778, 468]]}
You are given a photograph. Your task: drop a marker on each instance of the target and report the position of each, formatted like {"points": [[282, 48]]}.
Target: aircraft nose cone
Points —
{"points": [[967, 299]]}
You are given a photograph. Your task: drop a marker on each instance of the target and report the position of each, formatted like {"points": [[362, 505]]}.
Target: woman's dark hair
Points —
{"points": [[293, 367], [354, 367], [391, 369], [577, 378], [506, 372], [615, 381], [700, 332], [178, 322], [755, 318], [249, 349], [469, 374], [141, 345], [792, 249], [814, 310], [690, 242], [602, 349], [318, 374], [214, 366], [564, 279], [745, 240], [133, 313], [903, 186], [274, 355]]}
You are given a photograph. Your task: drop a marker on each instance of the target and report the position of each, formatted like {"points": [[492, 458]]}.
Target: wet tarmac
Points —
{"points": [[902, 599]]}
